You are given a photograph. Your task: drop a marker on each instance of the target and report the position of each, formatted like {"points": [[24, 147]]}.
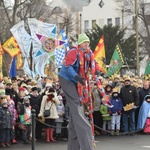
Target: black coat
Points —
{"points": [[5, 118], [129, 94], [13, 95], [142, 93], [35, 103]]}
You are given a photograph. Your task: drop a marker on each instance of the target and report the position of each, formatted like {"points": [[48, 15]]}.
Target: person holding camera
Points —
{"points": [[48, 111]]}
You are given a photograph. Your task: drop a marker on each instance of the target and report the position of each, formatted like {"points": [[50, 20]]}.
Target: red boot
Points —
{"points": [[7, 144], [51, 133], [14, 141], [47, 135], [2, 145]]}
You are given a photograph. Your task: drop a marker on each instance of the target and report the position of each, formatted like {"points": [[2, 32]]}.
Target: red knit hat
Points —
{"points": [[21, 89]]}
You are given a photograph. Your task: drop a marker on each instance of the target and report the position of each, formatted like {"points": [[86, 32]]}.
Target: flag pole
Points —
{"points": [[137, 36], [124, 57]]}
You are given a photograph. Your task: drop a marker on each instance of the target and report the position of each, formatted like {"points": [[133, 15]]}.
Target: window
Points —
{"points": [[101, 23], [117, 22], [93, 24], [109, 21], [86, 25]]}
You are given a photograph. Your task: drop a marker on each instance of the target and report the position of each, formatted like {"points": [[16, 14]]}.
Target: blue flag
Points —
{"points": [[12, 72], [61, 50]]}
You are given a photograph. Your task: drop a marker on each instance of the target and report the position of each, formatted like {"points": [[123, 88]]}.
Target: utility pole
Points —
{"points": [[137, 37], [80, 23]]}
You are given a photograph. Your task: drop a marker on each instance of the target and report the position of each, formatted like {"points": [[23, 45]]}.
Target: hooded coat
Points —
{"points": [[143, 114]]}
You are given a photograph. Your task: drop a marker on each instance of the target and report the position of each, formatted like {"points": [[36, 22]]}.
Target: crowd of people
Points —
{"points": [[87, 105], [18, 96], [125, 98], [122, 106]]}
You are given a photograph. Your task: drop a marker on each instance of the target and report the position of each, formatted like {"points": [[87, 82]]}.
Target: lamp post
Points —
{"points": [[137, 36], [80, 23]]}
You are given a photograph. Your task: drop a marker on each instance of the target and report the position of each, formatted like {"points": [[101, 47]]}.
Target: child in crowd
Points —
{"points": [[24, 115], [5, 122], [106, 116], [144, 115], [60, 111], [11, 107], [115, 111]]}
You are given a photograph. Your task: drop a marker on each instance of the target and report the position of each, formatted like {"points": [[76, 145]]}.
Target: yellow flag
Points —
{"points": [[11, 47], [1, 70], [1, 50], [1, 62], [19, 61], [99, 55]]}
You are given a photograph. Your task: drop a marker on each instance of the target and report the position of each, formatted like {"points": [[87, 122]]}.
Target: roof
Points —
{"points": [[78, 4]]}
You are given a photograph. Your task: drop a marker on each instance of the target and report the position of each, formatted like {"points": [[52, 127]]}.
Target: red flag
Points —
{"points": [[99, 55]]}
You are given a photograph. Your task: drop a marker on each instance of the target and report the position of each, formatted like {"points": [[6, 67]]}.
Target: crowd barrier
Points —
{"points": [[34, 119]]}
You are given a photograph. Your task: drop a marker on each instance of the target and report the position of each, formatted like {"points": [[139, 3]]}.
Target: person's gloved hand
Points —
{"points": [[119, 112], [110, 113], [52, 95], [80, 79], [134, 107]]}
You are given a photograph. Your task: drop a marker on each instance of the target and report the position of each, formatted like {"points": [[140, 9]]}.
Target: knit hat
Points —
{"points": [[83, 38], [3, 99], [21, 89], [34, 89], [8, 82], [2, 89]]}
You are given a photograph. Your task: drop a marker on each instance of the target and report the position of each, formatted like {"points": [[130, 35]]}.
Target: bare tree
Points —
{"points": [[20, 10], [143, 23]]}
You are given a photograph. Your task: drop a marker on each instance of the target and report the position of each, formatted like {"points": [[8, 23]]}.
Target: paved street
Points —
{"points": [[137, 142]]}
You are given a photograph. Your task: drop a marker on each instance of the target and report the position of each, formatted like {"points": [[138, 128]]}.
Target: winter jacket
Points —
{"points": [[71, 67], [117, 105], [129, 94], [13, 95], [13, 112], [142, 93], [5, 118], [49, 105], [25, 114], [35, 103], [104, 111], [97, 98]]}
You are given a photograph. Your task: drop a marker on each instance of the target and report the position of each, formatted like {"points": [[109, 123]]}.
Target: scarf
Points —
{"points": [[87, 65]]}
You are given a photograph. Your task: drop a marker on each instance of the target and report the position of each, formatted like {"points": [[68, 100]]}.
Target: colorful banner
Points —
{"points": [[23, 38], [61, 50], [11, 47], [147, 71], [39, 31], [115, 63], [99, 55], [19, 61]]}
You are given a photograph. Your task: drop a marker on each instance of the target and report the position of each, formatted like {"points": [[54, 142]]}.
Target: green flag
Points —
{"points": [[115, 63], [147, 71]]}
